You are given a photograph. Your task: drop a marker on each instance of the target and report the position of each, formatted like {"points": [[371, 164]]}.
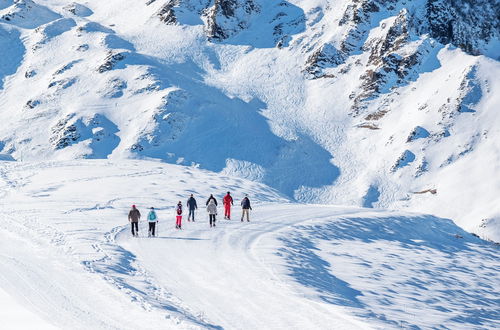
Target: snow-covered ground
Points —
{"points": [[68, 260], [391, 105]]}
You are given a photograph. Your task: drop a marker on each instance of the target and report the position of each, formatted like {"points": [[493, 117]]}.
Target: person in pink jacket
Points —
{"points": [[178, 215]]}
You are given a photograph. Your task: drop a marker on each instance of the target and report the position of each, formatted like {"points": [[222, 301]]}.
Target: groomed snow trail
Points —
{"points": [[226, 274], [323, 267]]}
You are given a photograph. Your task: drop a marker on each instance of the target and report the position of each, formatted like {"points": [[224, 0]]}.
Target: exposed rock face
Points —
{"points": [[406, 158], [78, 9], [386, 63], [467, 24], [417, 133], [110, 61], [64, 133], [470, 25], [356, 16], [167, 13], [97, 132], [327, 56], [226, 17]]}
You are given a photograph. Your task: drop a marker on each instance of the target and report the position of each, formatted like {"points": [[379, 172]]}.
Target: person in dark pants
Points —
{"points": [[211, 198], [191, 204], [133, 217], [212, 212], [245, 206], [152, 220]]}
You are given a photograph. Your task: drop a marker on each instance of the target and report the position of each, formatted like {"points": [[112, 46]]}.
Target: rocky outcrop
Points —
{"points": [[97, 131], [167, 12], [325, 57], [227, 17], [405, 159], [392, 62], [111, 60], [64, 133], [417, 133], [223, 19], [468, 24], [356, 16]]}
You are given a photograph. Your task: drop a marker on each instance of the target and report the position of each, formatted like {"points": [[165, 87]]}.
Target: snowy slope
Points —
{"points": [[69, 260], [362, 102]]}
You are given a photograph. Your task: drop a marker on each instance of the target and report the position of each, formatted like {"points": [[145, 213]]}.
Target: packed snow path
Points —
{"points": [[229, 275], [68, 257], [285, 271]]}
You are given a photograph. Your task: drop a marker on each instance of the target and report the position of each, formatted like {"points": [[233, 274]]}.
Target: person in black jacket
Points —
{"points": [[245, 205], [213, 198], [133, 217], [191, 204]]}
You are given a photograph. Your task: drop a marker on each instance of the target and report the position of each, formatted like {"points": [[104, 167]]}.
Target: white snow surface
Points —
{"points": [[69, 261], [302, 105]]}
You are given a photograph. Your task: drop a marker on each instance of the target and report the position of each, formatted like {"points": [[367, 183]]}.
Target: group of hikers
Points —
{"points": [[134, 215]]}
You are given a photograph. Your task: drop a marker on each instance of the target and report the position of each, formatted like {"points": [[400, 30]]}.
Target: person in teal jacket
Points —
{"points": [[152, 220]]}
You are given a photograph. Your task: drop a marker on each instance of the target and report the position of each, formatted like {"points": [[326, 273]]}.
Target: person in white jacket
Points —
{"points": [[212, 212]]}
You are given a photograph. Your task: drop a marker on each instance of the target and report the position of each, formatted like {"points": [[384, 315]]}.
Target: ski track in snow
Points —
{"points": [[294, 266]]}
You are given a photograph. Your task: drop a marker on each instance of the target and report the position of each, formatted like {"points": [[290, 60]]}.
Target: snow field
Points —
{"points": [[293, 266]]}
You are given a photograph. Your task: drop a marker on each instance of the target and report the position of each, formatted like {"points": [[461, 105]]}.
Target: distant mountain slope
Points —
{"points": [[362, 102]]}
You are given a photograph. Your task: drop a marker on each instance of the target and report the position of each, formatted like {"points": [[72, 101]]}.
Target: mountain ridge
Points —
{"points": [[352, 102]]}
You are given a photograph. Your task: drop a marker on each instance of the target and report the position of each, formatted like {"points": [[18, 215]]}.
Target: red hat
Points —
{"points": [[133, 206]]}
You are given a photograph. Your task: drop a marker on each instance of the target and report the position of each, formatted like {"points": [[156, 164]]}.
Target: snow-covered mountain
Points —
{"points": [[375, 103]]}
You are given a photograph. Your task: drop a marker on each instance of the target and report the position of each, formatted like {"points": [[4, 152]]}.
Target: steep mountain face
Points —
{"points": [[380, 103]]}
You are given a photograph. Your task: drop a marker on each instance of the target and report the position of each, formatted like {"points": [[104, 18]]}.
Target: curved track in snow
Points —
{"points": [[226, 273]]}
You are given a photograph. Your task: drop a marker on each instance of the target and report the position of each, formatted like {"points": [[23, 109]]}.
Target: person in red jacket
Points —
{"points": [[227, 201]]}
